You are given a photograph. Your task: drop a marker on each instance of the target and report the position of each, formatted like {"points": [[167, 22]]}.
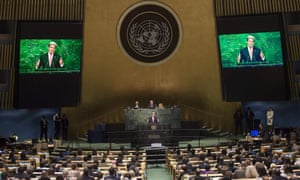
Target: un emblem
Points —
{"points": [[149, 32]]}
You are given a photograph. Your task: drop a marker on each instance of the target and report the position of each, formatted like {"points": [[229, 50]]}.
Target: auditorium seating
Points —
{"points": [[65, 157], [178, 160]]}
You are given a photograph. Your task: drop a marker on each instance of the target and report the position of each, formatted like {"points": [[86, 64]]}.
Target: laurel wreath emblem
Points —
{"points": [[137, 45]]}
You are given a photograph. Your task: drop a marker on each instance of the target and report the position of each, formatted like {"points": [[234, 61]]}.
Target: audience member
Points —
{"points": [[44, 176], [240, 172], [74, 172], [86, 175], [112, 174], [251, 171]]}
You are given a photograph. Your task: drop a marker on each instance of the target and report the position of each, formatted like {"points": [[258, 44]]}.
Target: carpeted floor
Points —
{"points": [[158, 172]]}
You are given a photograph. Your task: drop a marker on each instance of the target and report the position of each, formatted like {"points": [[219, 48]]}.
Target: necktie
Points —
{"points": [[50, 59], [251, 52]]}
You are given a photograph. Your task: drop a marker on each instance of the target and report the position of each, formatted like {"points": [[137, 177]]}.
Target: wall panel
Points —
{"points": [[225, 7]]}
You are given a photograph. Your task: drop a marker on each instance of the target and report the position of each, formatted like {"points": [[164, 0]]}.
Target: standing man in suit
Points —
{"points": [[50, 59], [65, 125], [44, 128], [238, 119], [57, 125], [153, 119], [270, 118], [250, 53], [249, 117]]}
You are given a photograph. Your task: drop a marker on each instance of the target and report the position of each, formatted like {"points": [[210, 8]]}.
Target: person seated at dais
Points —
{"points": [[137, 105], [152, 105]]}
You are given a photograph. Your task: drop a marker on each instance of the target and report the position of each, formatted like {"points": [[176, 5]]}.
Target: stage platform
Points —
{"points": [[82, 143]]}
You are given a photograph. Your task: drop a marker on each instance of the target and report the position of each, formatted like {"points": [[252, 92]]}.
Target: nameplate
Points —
{"points": [[156, 145]]}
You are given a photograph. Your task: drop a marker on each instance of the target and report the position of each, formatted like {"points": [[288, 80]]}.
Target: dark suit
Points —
{"points": [[65, 125], [153, 120], [249, 115], [44, 61], [57, 124], [245, 56], [238, 119], [44, 128]]}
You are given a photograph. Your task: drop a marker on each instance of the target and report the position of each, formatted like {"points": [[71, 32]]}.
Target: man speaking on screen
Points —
{"points": [[50, 59], [250, 53]]}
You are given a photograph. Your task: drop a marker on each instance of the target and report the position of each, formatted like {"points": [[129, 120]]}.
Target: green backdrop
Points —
{"points": [[31, 49], [269, 42]]}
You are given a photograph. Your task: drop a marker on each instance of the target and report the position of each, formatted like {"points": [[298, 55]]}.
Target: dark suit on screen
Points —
{"points": [[245, 56], [44, 61]]}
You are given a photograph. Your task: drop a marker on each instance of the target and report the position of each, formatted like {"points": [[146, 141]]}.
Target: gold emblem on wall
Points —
{"points": [[149, 32]]}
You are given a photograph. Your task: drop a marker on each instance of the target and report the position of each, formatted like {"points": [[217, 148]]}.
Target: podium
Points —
{"points": [[134, 118], [154, 133]]}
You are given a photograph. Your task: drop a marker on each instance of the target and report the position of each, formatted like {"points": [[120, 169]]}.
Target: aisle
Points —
{"points": [[158, 173]]}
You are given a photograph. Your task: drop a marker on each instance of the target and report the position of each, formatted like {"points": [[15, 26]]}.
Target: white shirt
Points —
{"points": [[270, 117], [250, 50], [50, 57]]}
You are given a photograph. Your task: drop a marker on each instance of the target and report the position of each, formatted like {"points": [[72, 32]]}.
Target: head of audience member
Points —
{"points": [[112, 171], [59, 177], [86, 172], [44, 174], [132, 173], [98, 175], [127, 176], [94, 152], [73, 166]]}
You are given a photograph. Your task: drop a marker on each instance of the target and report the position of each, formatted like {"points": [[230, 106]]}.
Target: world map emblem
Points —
{"points": [[149, 32]]}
